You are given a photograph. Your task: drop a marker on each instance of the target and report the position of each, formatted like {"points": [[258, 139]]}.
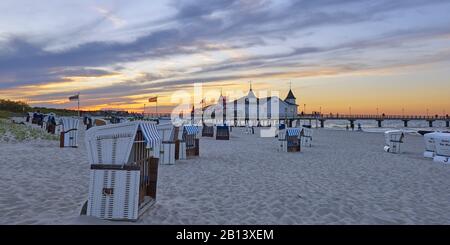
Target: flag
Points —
{"points": [[153, 99], [75, 97]]}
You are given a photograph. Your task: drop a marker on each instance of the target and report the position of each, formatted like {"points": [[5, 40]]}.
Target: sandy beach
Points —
{"points": [[345, 178]]}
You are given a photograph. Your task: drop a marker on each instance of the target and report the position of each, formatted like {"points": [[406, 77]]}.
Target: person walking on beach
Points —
{"points": [[359, 127], [346, 127]]}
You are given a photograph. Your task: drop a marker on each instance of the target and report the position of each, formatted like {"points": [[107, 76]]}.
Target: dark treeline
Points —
{"points": [[13, 106], [22, 107]]}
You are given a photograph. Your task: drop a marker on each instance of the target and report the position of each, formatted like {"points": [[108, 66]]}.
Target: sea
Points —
{"points": [[372, 125]]}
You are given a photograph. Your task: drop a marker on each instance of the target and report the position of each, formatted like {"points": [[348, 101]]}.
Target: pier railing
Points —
{"points": [[372, 117]]}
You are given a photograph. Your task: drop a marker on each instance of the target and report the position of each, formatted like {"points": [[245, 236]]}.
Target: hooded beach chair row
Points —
{"points": [[124, 169]]}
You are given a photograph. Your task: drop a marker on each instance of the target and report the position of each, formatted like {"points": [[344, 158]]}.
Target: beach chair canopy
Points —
{"points": [[150, 133], [69, 123], [393, 136], [112, 143], [166, 132], [293, 131], [191, 130]]}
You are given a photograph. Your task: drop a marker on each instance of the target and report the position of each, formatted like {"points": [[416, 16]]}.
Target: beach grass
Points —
{"points": [[20, 132], [4, 114]]}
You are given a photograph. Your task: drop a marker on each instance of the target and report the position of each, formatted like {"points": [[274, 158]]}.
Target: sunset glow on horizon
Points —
{"points": [[359, 57]]}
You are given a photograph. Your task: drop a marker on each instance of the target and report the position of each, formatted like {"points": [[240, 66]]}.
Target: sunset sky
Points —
{"points": [[391, 55]]}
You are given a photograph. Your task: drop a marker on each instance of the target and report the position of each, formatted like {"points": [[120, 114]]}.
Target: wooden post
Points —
{"points": [[153, 177], [379, 123], [61, 140], [177, 149], [405, 123], [197, 147]]}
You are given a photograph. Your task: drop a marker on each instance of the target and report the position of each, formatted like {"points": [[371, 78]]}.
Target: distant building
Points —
{"points": [[251, 110]]}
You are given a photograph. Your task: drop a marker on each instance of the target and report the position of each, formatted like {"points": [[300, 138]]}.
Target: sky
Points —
{"points": [[336, 55]]}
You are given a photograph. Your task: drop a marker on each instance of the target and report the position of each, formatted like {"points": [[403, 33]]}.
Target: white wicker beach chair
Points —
{"points": [[69, 132], [123, 170], [394, 139], [291, 141], [306, 137], [167, 151], [442, 144], [430, 144], [190, 139]]}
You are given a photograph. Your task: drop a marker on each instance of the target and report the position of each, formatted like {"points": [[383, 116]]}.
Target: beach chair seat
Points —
{"points": [[222, 133], [207, 131]]}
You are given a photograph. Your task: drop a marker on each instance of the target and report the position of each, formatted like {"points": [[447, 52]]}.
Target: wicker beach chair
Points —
{"points": [[430, 144], [442, 144], [393, 140], [124, 171], [191, 140], [69, 134], [306, 137], [167, 151], [289, 141]]}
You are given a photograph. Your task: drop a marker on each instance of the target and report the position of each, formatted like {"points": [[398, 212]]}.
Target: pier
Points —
{"points": [[378, 118]]}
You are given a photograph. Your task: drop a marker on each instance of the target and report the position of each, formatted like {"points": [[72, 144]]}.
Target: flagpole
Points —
{"points": [[79, 105]]}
